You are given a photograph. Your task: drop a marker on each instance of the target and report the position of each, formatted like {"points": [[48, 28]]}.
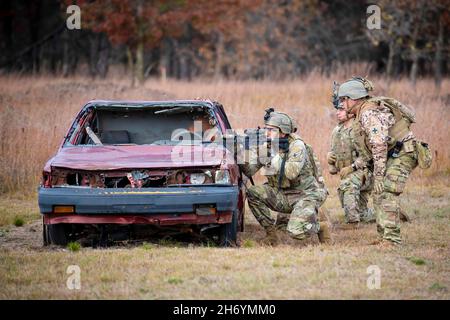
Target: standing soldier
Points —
{"points": [[292, 187], [355, 185], [384, 142]]}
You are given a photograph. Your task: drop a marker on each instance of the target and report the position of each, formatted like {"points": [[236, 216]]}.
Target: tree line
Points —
{"points": [[235, 39]]}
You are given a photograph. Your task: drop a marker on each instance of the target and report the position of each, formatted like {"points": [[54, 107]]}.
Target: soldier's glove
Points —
{"points": [[332, 169], [275, 163], [271, 166], [331, 158], [345, 171], [267, 154], [359, 163], [378, 185]]}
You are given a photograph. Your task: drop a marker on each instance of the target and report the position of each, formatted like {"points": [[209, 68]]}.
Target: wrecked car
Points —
{"points": [[155, 163]]}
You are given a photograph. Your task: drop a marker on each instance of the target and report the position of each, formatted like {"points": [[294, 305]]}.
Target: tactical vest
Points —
{"points": [[403, 116], [342, 146], [307, 175]]}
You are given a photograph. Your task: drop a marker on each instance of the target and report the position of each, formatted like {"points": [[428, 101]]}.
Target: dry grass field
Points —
{"points": [[35, 113]]}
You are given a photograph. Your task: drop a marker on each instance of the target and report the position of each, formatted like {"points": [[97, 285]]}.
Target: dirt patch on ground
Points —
{"points": [[28, 236]]}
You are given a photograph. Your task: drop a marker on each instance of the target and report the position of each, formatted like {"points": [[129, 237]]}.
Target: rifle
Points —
{"points": [[255, 137], [259, 135]]}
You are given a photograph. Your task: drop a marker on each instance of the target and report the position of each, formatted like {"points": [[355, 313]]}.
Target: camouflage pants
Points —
{"points": [[387, 204], [302, 209], [354, 191]]}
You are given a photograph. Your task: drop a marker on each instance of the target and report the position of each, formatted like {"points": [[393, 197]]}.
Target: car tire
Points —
{"points": [[56, 234], [228, 232], [45, 234]]}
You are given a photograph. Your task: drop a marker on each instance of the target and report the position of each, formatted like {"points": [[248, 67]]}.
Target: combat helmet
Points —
{"points": [[280, 120], [355, 88]]}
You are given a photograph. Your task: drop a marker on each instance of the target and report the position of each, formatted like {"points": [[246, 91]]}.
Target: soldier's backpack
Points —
{"points": [[403, 115]]}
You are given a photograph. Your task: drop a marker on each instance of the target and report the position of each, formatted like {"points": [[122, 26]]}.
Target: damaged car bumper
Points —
{"points": [[162, 206]]}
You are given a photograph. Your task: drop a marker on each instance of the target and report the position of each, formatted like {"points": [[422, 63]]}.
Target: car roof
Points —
{"points": [[147, 104]]}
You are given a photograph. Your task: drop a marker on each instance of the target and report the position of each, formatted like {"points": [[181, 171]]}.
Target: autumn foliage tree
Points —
{"points": [[239, 39], [141, 25], [414, 31], [137, 24]]}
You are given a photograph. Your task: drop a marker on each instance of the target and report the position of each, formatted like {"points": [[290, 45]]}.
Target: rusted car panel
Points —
{"points": [[125, 162], [114, 157], [156, 219], [89, 201]]}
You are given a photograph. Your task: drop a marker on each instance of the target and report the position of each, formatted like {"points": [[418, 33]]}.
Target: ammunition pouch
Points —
{"points": [[424, 155], [398, 131], [395, 150]]}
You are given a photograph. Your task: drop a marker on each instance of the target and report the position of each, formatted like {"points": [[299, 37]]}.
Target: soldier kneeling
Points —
{"points": [[294, 185]]}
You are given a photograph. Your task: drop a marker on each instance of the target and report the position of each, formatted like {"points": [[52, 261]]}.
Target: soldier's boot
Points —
{"points": [[404, 216], [325, 233], [272, 237], [309, 240], [368, 216]]}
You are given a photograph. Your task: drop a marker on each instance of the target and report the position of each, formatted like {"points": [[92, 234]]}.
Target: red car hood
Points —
{"points": [[129, 157]]}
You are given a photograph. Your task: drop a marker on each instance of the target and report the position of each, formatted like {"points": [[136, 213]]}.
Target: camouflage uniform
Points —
{"points": [[300, 195], [354, 189], [371, 135]]}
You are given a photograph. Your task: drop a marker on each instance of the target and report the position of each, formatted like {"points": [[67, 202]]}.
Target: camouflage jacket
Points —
{"points": [[342, 145], [370, 133], [298, 172]]}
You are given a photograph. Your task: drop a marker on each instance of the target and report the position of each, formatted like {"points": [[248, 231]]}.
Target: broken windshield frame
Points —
{"points": [[88, 124]]}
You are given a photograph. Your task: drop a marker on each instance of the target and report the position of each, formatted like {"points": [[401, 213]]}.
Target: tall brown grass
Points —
{"points": [[35, 113]]}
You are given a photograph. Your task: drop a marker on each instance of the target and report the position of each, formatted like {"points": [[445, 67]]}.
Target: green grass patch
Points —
{"points": [[18, 221], [147, 246], [442, 213], [174, 280], [279, 264], [144, 290], [248, 243], [210, 244], [438, 287], [169, 242], [11, 208], [74, 246], [417, 261]]}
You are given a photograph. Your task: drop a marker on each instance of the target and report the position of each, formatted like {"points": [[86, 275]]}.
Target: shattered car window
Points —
{"points": [[172, 125]]}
